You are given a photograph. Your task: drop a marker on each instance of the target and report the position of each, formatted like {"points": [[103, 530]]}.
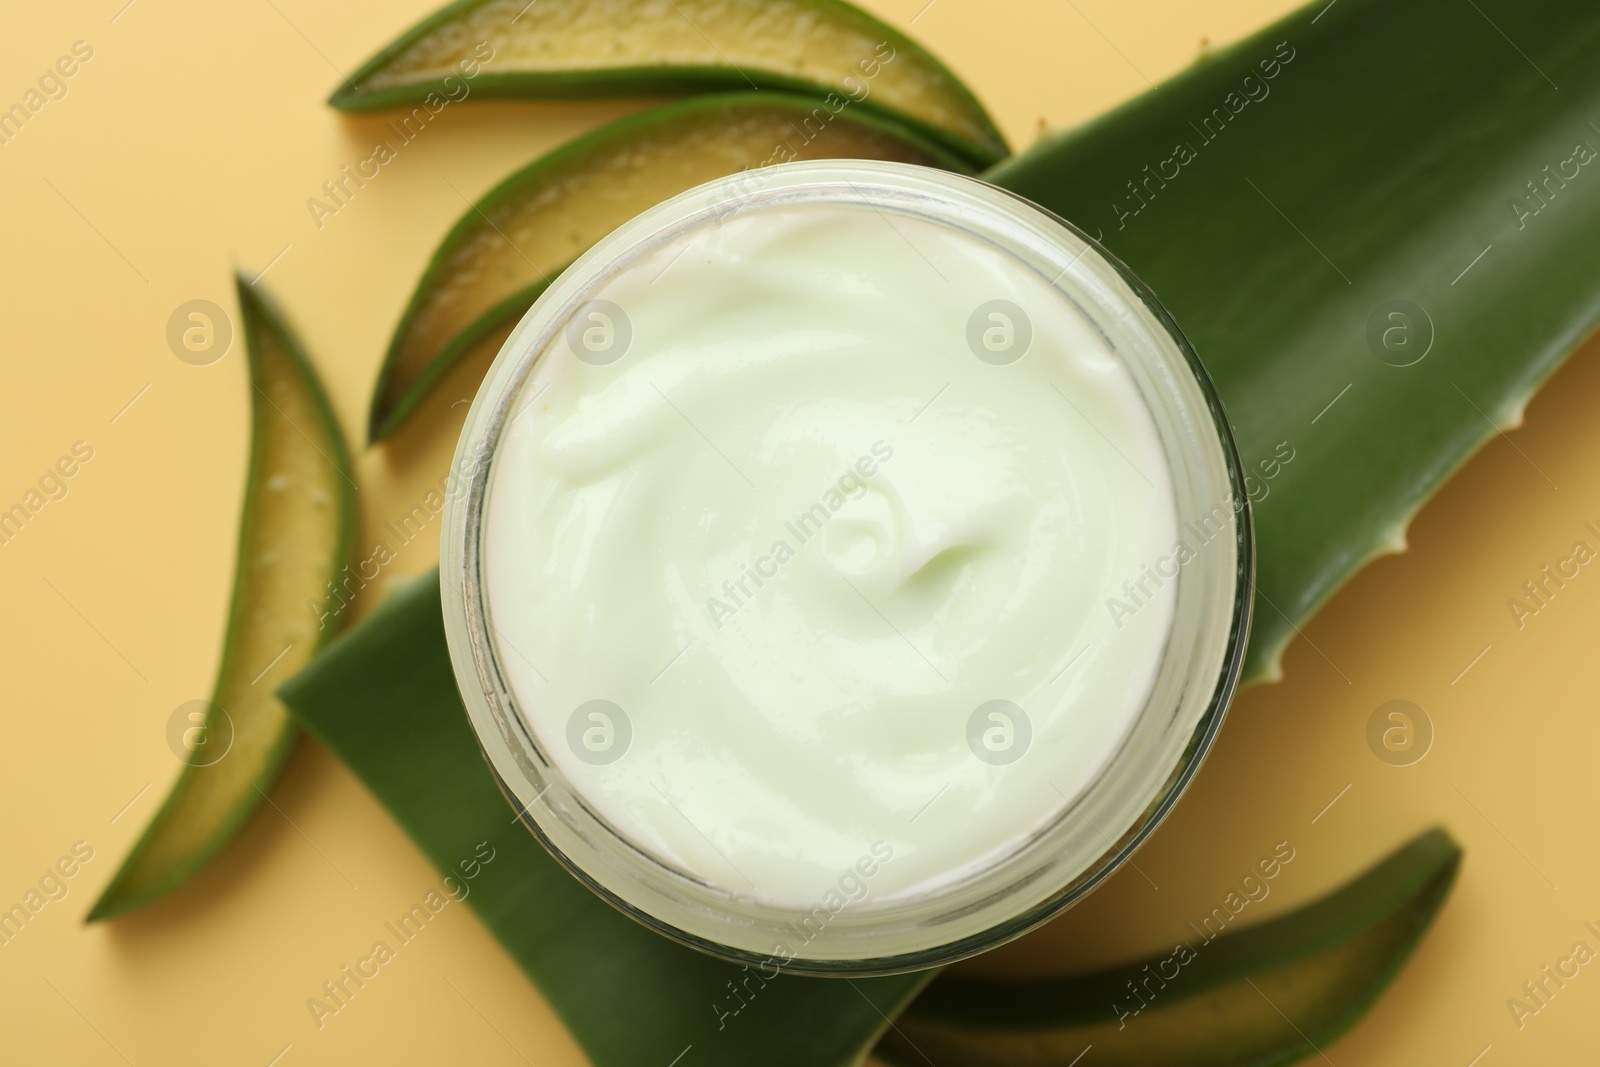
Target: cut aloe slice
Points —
{"points": [[1269, 994], [569, 48], [295, 534], [507, 247]]}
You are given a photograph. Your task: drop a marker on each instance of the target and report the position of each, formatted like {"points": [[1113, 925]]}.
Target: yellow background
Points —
{"points": [[190, 143]]}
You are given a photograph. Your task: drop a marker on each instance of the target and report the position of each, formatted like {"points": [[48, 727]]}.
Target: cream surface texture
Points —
{"points": [[808, 564]]}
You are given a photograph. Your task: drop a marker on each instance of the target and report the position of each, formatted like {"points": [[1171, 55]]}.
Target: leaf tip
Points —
{"points": [[344, 97], [381, 421], [245, 288], [111, 902]]}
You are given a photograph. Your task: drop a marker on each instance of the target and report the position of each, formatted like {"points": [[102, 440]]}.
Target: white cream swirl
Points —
{"points": [[800, 533]]}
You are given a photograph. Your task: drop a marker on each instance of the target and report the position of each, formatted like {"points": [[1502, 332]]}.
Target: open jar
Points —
{"points": [[853, 567]]}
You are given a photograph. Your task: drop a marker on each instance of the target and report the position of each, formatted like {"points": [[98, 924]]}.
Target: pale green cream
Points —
{"points": [[800, 534]]}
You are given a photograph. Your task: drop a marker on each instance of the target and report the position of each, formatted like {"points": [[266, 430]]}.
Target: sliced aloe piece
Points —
{"points": [[294, 535], [1377, 271], [509, 245], [569, 48], [630, 996], [1269, 994]]}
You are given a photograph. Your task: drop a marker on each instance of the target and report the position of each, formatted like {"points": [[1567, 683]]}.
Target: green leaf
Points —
{"points": [[1392, 148], [294, 535], [573, 48], [384, 699], [1270, 994], [507, 247]]}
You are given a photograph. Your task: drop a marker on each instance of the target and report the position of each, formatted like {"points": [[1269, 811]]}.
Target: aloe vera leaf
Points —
{"points": [[1392, 148], [509, 245], [294, 535], [573, 48], [1268, 994], [630, 996]]}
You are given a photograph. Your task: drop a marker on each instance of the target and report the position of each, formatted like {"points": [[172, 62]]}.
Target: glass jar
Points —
{"points": [[1078, 836]]}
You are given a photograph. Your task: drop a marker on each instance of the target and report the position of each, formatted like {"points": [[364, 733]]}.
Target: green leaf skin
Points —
{"points": [[508, 246], [384, 699], [1270, 994], [1383, 158], [575, 48], [295, 534]]}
